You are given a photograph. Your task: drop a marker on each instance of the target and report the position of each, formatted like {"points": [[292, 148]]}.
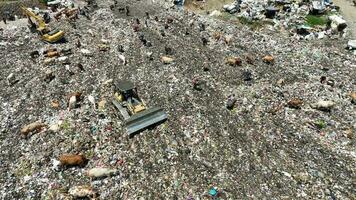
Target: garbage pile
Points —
{"points": [[351, 45], [251, 114], [304, 19]]}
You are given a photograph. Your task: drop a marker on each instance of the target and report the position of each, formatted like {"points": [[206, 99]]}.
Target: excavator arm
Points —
{"points": [[41, 24], [46, 34]]}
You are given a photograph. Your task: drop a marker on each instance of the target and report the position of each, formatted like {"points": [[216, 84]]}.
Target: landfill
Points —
{"points": [[259, 98]]}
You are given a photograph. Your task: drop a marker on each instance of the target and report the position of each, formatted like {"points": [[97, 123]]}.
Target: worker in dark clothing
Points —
{"points": [[4, 19], [127, 10], [231, 101]]}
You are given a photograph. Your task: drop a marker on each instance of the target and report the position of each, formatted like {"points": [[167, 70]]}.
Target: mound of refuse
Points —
{"points": [[250, 112]]}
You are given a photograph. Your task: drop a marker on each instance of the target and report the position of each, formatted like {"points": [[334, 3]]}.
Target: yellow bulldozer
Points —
{"points": [[40, 25], [133, 109]]}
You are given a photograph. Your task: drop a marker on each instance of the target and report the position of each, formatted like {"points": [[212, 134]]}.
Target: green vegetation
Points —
{"points": [[316, 20], [66, 127], [43, 1], [320, 124], [23, 169], [254, 24], [89, 154], [226, 16]]}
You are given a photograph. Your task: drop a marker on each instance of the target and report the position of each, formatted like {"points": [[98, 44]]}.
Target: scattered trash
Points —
{"points": [[49, 61], [101, 104], [168, 50], [337, 23], [66, 52], [55, 164], [122, 59], [317, 7], [205, 41], [11, 79], [103, 47], [92, 101], [63, 59], [249, 59], [232, 8], [213, 192], [281, 82], [271, 12], [353, 97], [54, 127], [215, 13], [304, 30], [34, 54], [351, 44], [301, 177], [197, 84], [247, 76], [55, 104], [72, 103], [49, 76], [108, 82], [73, 99], [178, 2], [231, 101], [289, 15], [330, 83], [323, 79], [86, 52], [217, 36]]}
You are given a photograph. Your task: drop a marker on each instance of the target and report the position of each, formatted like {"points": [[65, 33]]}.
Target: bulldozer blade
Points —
{"points": [[145, 119], [122, 110]]}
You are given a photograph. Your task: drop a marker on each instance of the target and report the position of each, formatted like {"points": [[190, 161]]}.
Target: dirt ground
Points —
{"points": [[207, 5], [14, 6], [348, 10]]}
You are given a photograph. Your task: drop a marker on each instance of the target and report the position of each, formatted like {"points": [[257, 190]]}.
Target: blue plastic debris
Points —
{"points": [[213, 192], [93, 129], [179, 3]]}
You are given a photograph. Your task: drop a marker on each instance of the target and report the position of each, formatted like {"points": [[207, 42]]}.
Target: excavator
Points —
{"points": [[46, 34], [133, 109]]}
